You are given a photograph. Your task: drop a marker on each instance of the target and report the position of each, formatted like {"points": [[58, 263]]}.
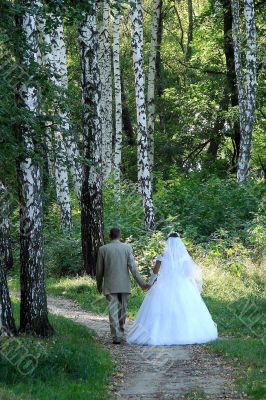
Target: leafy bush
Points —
{"points": [[201, 208], [123, 210], [64, 257], [63, 254], [147, 248]]}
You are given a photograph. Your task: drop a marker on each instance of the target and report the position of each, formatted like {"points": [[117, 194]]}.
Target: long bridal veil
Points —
{"points": [[173, 311], [177, 261]]}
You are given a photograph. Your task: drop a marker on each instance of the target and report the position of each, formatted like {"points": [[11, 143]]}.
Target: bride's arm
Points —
{"points": [[156, 267], [155, 272]]}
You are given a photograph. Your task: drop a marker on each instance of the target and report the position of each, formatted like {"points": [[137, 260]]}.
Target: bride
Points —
{"points": [[173, 311]]}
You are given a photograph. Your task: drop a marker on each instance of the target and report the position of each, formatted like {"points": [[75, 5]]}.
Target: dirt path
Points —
{"points": [[156, 372]]}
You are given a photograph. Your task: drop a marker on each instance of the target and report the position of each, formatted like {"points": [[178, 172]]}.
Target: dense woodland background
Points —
{"points": [[130, 114]]}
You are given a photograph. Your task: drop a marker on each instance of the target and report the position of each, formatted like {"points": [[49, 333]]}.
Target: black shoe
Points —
{"points": [[116, 341]]}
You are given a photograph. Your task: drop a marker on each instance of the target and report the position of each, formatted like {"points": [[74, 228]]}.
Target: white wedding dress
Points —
{"points": [[173, 311]]}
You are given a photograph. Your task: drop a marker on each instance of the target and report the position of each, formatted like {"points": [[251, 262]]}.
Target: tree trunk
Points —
{"points": [[33, 310], [7, 323], [118, 98], [105, 67], [230, 73], [157, 8], [144, 172], [61, 180], [49, 149], [190, 30], [246, 84], [91, 194], [5, 241], [60, 69], [56, 61]]}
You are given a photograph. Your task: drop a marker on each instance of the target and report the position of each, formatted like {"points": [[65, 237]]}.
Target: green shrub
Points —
{"points": [[201, 208], [123, 210], [63, 254], [64, 257]]}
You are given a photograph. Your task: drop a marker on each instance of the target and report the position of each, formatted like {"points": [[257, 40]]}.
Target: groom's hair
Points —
{"points": [[115, 233]]}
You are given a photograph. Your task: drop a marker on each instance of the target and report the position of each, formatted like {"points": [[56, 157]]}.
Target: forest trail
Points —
{"points": [[157, 372]]}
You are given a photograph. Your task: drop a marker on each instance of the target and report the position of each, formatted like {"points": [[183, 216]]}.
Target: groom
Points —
{"points": [[114, 261]]}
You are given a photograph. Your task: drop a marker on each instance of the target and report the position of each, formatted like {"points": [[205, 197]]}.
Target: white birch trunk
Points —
{"points": [[118, 98], [54, 61], [33, 312], [105, 66], [61, 81], [151, 79], [91, 193], [144, 173], [246, 83], [61, 180]]}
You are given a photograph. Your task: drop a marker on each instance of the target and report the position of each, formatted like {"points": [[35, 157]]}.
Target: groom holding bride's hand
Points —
{"points": [[115, 259]]}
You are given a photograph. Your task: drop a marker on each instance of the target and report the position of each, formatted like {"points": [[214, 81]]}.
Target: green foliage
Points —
{"points": [[212, 209], [123, 210], [64, 257], [147, 248]]}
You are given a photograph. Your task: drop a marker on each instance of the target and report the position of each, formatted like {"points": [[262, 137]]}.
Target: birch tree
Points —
{"points": [[105, 67], [144, 172], [33, 310], [118, 96], [246, 81], [157, 9], [52, 59], [7, 323], [60, 78], [5, 241], [91, 193]]}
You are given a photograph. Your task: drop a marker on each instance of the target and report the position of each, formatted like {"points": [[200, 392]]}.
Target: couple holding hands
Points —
{"points": [[172, 312]]}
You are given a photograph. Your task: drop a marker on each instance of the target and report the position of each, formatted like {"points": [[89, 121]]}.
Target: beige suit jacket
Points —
{"points": [[114, 261]]}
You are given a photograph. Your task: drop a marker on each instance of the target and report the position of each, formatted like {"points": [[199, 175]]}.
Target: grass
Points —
{"points": [[69, 365], [249, 355]]}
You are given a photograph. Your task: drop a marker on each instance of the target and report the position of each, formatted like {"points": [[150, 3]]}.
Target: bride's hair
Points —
{"points": [[173, 235]]}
